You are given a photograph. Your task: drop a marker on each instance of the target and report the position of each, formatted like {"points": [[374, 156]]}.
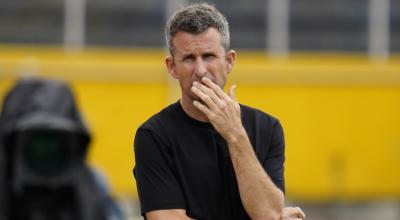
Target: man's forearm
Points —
{"points": [[260, 197], [173, 214]]}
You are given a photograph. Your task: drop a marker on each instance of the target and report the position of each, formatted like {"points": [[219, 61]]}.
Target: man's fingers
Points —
{"points": [[206, 98], [202, 107], [215, 92], [232, 92], [300, 213], [293, 213], [221, 94], [210, 93]]}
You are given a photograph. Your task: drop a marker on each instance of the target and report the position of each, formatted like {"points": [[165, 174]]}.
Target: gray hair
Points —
{"points": [[196, 19]]}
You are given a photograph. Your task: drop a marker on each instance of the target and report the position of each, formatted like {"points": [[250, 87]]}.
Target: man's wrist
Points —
{"points": [[237, 137]]}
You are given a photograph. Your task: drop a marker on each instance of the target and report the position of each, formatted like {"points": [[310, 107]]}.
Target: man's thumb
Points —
{"points": [[232, 92]]}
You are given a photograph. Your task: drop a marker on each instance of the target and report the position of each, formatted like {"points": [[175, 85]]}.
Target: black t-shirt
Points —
{"points": [[182, 163]]}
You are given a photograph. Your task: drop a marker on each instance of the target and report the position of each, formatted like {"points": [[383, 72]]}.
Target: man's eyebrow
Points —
{"points": [[186, 55], [209, 53]]}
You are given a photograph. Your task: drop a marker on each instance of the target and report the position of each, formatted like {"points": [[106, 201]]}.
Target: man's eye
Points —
{"points": [[189, 58], [209, 56]]}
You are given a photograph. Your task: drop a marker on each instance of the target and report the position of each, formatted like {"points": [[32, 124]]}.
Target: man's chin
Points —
{"points": [[196, 98]]}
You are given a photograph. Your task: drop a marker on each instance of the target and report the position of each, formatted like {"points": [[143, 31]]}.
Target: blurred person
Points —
{"points": [[207, 156], [3, 193], [45, 143]]}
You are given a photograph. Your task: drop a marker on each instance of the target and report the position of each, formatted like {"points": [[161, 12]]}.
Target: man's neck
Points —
{"points": [[192, 111]]}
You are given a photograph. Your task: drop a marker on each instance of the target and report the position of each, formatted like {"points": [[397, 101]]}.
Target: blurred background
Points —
{"points": [[329, 70]]}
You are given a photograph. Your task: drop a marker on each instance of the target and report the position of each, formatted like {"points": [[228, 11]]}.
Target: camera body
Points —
{"points": [[46, 152], [46, 166], [43, 146]]}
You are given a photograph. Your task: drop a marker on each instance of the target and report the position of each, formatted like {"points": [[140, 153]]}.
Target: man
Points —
{"points": [[207, 156]]}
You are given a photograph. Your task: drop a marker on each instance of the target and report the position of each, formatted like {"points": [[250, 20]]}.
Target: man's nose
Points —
{"points": [[200, 68]]}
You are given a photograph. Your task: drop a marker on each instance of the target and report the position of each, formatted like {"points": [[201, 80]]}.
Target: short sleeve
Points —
{"points": [[274, 161], [156, 181]]}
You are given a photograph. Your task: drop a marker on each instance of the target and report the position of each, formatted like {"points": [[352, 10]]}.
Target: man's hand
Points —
{"points": [[260, 197], [292, 213], [221, 109]]}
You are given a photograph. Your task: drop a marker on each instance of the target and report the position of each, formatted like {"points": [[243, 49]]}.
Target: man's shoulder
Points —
{"points": [[163, 118], [256, 115]]}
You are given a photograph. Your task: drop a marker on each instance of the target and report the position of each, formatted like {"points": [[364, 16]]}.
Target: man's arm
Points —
{"points": [[158, 188], [172, 214], [258, 193], [260, 197], [288, 213]]}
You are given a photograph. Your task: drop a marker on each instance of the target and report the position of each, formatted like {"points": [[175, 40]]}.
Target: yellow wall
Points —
{"points": [[340, 113]]}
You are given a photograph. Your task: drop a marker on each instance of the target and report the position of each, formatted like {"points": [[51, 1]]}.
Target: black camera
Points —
{"points": [[44, 144], [45, 153], [46, 167]]}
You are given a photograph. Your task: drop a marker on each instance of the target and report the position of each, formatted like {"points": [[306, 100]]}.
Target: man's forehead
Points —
{"points": [[207, 40], [212, 30]]}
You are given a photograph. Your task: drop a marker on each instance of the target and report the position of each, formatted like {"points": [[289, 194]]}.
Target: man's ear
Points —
{"points": [[231, 59], [170, 63]]}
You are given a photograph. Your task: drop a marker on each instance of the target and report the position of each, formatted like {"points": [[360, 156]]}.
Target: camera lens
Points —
{"points": [[47, 153]]}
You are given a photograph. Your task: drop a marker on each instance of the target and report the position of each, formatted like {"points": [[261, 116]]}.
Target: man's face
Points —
{"points": [[197, 56]]}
